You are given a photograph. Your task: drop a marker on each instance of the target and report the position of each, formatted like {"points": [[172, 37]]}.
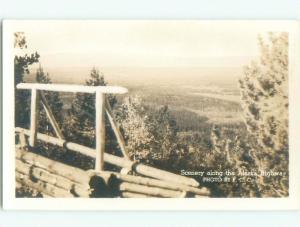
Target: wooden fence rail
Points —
{"points": [[73, 88], [115, 160]]}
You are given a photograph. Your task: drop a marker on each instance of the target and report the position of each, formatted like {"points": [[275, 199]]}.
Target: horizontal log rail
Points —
{"points": [[115, 160], [152, 191], [135, 195], [73, 88], [160, 183]]}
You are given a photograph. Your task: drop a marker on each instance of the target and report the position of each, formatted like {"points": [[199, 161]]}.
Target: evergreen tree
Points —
{"points": [[80, 122], [264, 90], [136, 127], [150, 134], [165, 134], [21, 67], [236, 156]]}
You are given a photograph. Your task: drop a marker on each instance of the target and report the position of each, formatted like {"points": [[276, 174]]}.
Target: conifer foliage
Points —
{"points": [[22, 61], [150, 133], [264, 90], [80, 121]]}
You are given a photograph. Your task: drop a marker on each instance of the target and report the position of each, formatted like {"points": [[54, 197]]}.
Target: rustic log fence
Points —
{"points": [[55, 179]]}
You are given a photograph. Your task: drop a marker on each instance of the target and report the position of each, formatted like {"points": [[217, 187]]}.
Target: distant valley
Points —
{"points": [[210, 93]]}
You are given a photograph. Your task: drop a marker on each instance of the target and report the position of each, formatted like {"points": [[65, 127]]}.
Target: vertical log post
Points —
{"points": [[22, 140], [100, 130], [33, 117]]}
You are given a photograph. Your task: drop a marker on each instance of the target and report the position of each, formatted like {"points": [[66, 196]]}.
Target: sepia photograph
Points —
{"points": [[150, 109]]}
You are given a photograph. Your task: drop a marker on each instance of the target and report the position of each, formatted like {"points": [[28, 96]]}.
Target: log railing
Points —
{"points": [[101, 105], [115, 160]]}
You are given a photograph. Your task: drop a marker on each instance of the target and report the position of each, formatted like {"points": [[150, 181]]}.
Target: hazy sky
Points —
{"points": [[144, 43]]}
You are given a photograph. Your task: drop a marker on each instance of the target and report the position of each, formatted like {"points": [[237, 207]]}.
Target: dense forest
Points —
{"points": [[177, 131]]}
